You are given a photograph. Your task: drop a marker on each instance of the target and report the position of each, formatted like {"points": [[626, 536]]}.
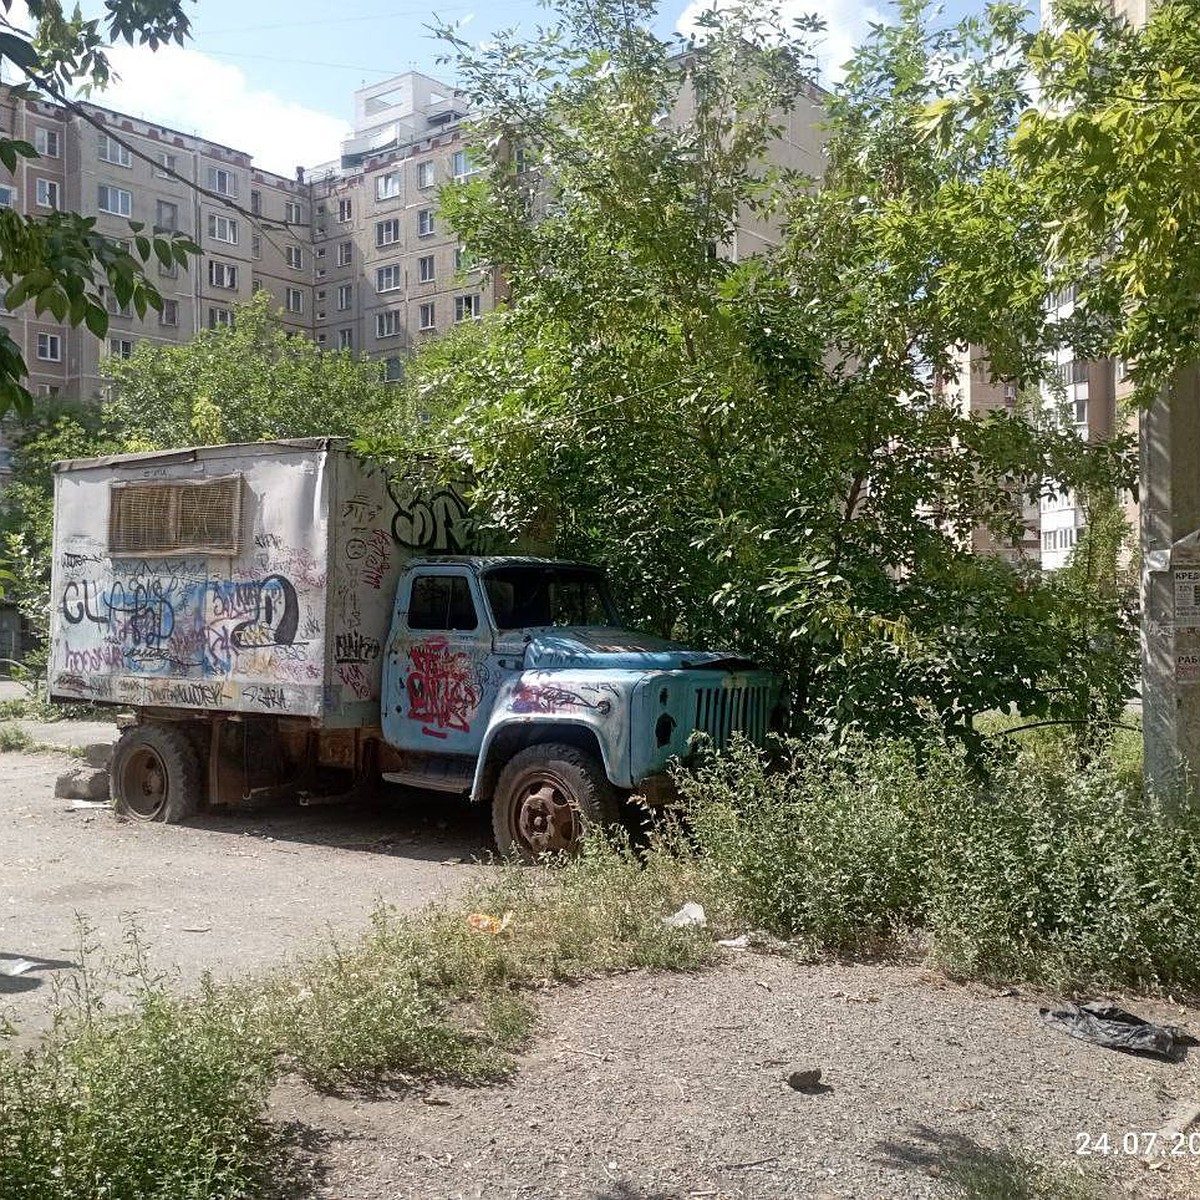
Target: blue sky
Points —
{"points": [[277, 77]]}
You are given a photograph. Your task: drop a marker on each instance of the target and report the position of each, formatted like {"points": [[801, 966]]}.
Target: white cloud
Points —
{"points": [[195, 93], [846, 23]]}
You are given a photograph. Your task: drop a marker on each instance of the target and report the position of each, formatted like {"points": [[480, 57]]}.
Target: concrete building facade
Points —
{"points": [[132, 170]]}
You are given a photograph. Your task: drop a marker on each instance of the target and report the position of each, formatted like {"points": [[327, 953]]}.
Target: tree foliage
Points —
{"points": [[59, 263], [247, 382], [760, 450]]}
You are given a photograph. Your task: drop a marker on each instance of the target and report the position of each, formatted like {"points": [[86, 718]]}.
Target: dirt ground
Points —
{"points": [[640, 1087], [660, 1087], [230, 894]]}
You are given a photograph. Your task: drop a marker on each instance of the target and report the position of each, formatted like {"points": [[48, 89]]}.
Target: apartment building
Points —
{"points": [[388, 272], [972, 390], [252, 226], [354, 252]]}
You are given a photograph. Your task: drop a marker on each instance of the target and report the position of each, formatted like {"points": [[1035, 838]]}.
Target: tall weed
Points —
{"points": [[1045, 872]]}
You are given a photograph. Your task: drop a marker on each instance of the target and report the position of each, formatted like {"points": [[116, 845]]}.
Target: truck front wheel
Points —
{"points": [[547, 797], [155, 775]]}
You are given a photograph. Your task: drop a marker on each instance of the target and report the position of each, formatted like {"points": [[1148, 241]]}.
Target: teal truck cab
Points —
{"points": [[278, 617]]}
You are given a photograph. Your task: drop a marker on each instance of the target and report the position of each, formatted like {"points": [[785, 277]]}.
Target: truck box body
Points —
{"points": [[249, 578]]}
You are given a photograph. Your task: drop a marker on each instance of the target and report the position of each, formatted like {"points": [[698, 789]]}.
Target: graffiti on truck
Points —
{"points": [[442, 690], [171, 618]]}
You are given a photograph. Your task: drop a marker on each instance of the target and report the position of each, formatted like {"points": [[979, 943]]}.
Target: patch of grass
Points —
{"points": [[14, 737], [431, 996]]}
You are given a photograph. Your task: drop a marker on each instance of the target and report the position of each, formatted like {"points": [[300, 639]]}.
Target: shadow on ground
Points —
{"points": [[399, 822], [16, 977], [978, 1172]]}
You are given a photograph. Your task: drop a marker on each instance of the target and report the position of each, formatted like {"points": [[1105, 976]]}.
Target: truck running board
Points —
{"points": [[434, 781]]}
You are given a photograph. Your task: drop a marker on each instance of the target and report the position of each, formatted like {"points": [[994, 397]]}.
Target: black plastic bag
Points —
{"points": [[1105, 1024]]}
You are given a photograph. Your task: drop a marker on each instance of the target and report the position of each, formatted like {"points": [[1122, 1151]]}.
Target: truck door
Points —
{"points": [[439, 680]]}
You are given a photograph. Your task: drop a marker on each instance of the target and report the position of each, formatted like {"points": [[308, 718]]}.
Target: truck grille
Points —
{"points": [[723, 711]]}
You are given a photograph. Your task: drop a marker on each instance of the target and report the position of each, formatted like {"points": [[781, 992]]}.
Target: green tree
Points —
{"points": [[247, 382], [59, 262], [760, 451]]}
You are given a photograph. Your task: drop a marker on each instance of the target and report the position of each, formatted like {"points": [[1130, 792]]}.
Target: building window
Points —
{"points": [[387, 186], [462, 165], [256, 245], [169, 270], [294, 300], [120, 348], [49, 347], [222, 275], [219, 318], [45, 142], [1081, 412], [463, 261], [466, 308], [222, 229], [345, 211], [387, 232], [387, 324], [47, 193], [166, 164], [393, 370], [345, 254], [292, 213], [345, 296], [114, 200], [111, 151], [425, 268], [425, 174], [387, 279], [8, 196], [256, 202], [425, 222], [345, 339], [169, 316], [295, 257], [166, 216], [425, 316], [225, 183]]}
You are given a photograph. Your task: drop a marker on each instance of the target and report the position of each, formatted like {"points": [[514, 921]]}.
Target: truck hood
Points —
{"points": [[602, 647]]}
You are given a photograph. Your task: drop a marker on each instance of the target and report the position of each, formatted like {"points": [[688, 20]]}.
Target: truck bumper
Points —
{"points": [[658, 790]]}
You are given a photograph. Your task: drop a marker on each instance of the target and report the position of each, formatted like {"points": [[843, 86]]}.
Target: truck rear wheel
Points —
{"points": [[547, 798], [155, 775]]}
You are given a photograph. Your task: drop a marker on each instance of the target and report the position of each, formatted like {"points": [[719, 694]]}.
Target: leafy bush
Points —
{"points": [[1044, 872], [166, 1102]]}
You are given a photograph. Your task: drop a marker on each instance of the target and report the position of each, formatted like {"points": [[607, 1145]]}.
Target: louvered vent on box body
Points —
{"points": [[176, 516]]}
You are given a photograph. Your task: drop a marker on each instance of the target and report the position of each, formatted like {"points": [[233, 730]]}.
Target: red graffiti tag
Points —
{"points": [[441, 689]]}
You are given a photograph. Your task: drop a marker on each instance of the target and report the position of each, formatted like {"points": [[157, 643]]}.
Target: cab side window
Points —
{"points": [[441, 602]]}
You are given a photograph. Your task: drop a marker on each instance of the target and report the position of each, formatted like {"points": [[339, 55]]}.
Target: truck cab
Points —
{"points": [[512, 679]]}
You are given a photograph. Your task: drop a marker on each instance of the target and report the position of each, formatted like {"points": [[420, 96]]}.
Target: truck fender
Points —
{"points": [[505, 738]]}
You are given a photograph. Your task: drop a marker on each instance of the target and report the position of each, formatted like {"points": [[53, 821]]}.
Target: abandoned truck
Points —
{"points": [[281, 615]]}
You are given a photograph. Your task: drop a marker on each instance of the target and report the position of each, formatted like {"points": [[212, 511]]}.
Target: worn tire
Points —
{"points": [[155, 775], [546, 799]]}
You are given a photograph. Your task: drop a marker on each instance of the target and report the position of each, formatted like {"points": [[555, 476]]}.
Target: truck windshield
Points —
{"points": [[522, 597]]}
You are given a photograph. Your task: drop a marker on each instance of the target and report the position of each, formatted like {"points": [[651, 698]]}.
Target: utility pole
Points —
{"points": [[1169, 439]]}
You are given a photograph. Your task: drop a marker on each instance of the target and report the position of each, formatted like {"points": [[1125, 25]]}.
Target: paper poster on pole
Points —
{"points": [[1187, 597], [1187, 668]]}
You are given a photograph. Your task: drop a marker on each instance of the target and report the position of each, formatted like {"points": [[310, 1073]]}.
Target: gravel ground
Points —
{"points": [[649, 1087], [231, 893]]}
